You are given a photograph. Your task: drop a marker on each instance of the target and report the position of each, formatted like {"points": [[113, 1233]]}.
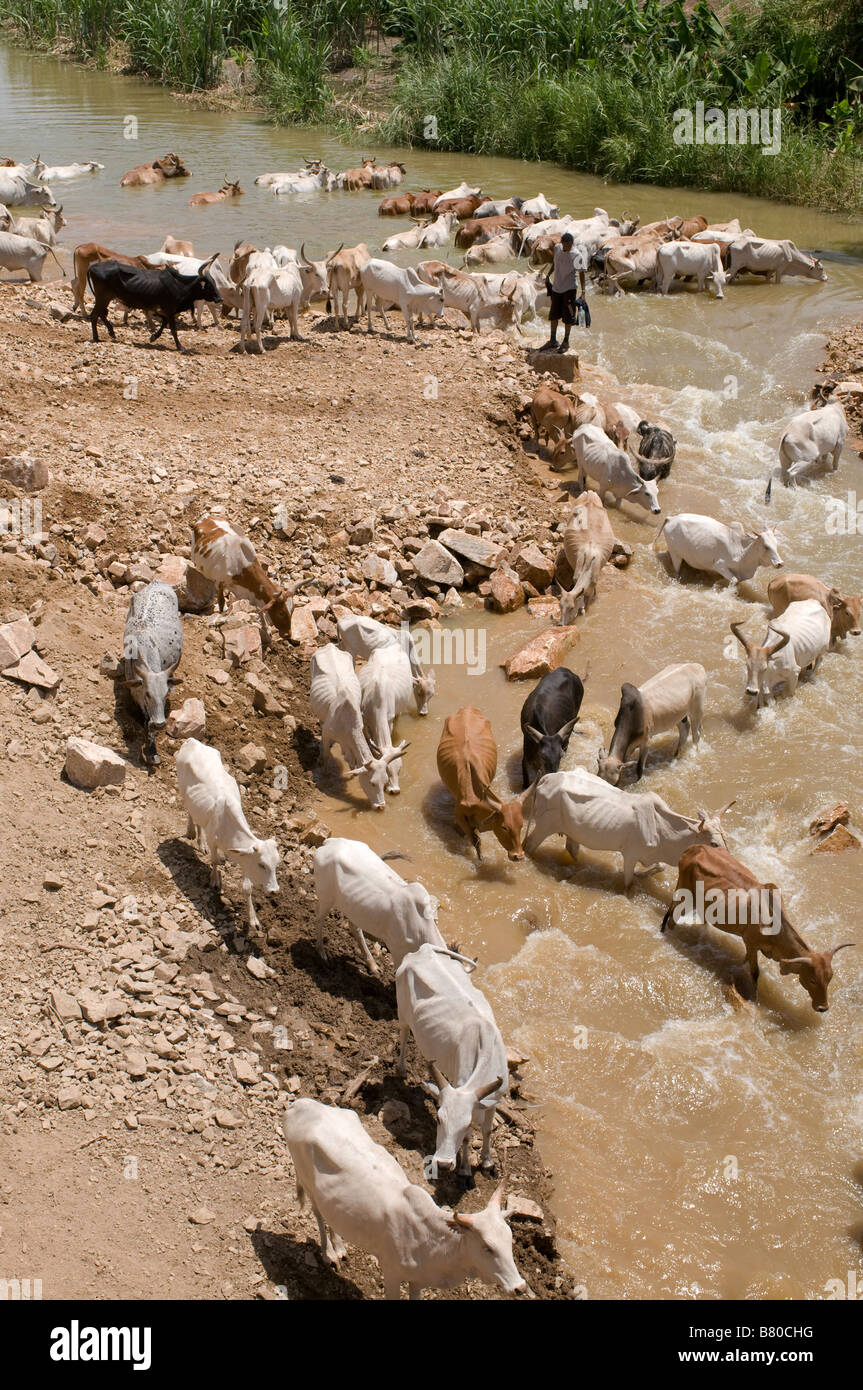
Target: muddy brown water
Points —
{"points": [[699, 1150]]}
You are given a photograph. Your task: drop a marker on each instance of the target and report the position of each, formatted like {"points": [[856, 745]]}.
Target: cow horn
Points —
{"points": [[797, 960], [727, 807], [437, 1077], [484, 1091], [534, 733], [844, 947], [742, 639], [208, 262], [303, 257], [783, 641], [332, 257], [496, 1198], [397, 752]]}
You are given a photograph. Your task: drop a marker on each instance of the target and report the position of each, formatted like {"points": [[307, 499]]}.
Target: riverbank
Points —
{"points": [[164, 1122], [519, 82]]}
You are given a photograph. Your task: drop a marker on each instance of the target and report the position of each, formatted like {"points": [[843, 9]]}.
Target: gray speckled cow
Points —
{"points": [[152, 647]]}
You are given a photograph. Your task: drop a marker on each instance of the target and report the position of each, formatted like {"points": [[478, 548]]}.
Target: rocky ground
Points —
{"points": [[842, 370], [148, 1044]]}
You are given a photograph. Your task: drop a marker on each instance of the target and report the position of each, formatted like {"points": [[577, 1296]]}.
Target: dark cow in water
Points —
{"points": [[655, 455], [162, 292], [548, 717]]}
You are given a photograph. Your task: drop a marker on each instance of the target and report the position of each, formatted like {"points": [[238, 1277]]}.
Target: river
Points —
{"points": [[698, 1150]]}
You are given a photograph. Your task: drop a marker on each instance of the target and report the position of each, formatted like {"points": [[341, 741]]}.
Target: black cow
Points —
{"points": [[162, 292], [548, 717], [656, 452]]}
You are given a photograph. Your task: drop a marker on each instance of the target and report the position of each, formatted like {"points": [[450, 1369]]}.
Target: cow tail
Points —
{"points": [[465, 960], [50, 248], [529, 804], [395, 854], [655, 541], [768, 490]]}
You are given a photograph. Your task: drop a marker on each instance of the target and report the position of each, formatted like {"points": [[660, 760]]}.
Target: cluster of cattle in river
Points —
{"points": [[363, 684]]}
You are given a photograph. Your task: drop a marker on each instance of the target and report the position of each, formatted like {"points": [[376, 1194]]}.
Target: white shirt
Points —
{"points": [[567, 265]]}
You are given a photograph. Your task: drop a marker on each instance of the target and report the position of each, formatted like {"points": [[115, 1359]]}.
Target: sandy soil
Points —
{"points": [[143, 1157]]}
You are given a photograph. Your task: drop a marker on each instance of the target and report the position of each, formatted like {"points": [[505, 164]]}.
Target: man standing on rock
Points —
{"points": [[567, 277]]}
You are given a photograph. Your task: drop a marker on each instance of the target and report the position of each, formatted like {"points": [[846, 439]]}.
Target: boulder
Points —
{"points": [[838, 840], [532, 566], [303, 626], [542, 654], [252, 758], [472, 548], [32, 670], [196, 594], [378, 570], [89, 765], [563, 365], [172, 570], [30, 475], [506, 593], [189, 721], [436, 565], [242, 643], [16, 639]]}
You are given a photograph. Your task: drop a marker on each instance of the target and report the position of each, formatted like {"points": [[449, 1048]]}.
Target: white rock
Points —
{"points": [[90, 765]]}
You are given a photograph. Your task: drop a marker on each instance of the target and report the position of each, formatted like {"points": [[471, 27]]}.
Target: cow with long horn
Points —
{"points": [[715, 886], [794, 644]]}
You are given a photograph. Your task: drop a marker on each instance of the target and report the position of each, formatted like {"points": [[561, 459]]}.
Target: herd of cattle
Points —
{"points": [[261, 282], [372, 677]]}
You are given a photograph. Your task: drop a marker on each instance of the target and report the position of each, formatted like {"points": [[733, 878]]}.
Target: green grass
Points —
{"points": [[592, 88]]}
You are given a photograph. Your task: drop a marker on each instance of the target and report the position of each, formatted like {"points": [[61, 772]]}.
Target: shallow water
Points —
{"points": [[698, 1150]]}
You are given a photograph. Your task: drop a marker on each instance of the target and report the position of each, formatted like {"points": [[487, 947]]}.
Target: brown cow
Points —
{"points": [[228, 190], [713, 880], [467, 762], [844, 613], [172, 247], [462, 207], [354, 179], [239, 261], [424, 202], [343, 275], [399, 206], [171, 167], [542, 251], [87, 254], [480, 229], [553, 414], [227, 558]]}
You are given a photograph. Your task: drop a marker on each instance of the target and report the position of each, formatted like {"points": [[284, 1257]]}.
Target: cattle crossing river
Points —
{"points": [[698, 1149]]}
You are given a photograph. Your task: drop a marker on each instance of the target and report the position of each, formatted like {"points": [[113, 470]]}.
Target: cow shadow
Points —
{"points": [[344, 974], [191, 876], [296, 1263]]}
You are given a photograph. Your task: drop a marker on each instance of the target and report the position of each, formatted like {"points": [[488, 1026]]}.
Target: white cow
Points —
{"points": [[672, 699], [59, 173], [500, 248], [289, 287], [376, 901], [389, 689], [686, 259], [387, 284], [210, 797], [42, 229], [335, 697], [540, 207], [464, 190], [229, 293], [305, 182], [638, 825], [525, 289], [23, 253], [313, 166], [455, 1031], [361, 636], [435, 233], [811, 437], [803, 638], [766, 257], [599, 458], [18, 192], [362, 1194], [711, 546]]}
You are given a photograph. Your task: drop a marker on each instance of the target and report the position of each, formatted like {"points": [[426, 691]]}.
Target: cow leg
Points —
{"points": [[159, 331], [682, 735], [364, 947], [321, 918], [172, 324], [628, 873], [669, 918], [416, 1292], [752, 962], [190, 828], [215, 873], [328, 1253], [837, 452], [642, 759], [402, 1061], [486, 1159], [409, 322], [572, 849], [476, 842], [254, 924], [463, 1167], [221, 598], [723, 570]]}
